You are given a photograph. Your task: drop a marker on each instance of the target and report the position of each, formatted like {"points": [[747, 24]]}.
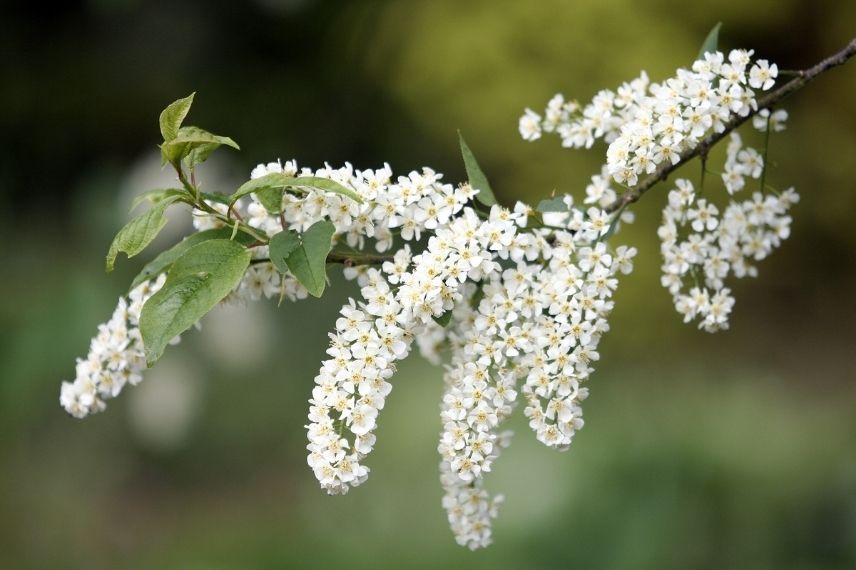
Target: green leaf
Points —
{"points": [[327, 185], [711, 42], [275, 181], [305, 255], [282, 245], [278, 181], [444, 319], [139, 232], [197, 281], [555, 204], [200, 154], [271, 199], [476, 177], [155, 196], [166, 258], [190, 140], [172, 117]]}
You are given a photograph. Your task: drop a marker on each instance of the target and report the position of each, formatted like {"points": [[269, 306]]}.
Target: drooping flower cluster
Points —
{"points": [[402, 301], [648, 124], [116, 357], [396, 305], [532, 327], [697, 262]]}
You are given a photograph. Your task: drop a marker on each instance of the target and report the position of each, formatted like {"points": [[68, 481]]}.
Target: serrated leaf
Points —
{"points": [[197, 281], [711, 42], [139, 232], [190, 139], [279, 182], [172, 117], [281, 246], [555, 204], [307, 260], [155, 196], [444, 319], [166, 258], [475, 175]]}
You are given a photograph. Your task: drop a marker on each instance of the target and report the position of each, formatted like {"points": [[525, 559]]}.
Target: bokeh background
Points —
{"points": [[728, 451]]}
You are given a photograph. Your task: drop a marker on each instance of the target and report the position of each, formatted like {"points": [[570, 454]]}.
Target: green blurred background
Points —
{"points": [[726, 451]]}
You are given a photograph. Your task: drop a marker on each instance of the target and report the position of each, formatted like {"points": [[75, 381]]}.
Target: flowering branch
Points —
{"points": [[802, 78], [514, 301]]}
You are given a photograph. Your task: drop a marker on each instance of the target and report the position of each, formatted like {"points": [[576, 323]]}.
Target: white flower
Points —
{"points": [[530, 125], [703, 216], [363, 419], [115, 358], [763, 75], [776, 120]]}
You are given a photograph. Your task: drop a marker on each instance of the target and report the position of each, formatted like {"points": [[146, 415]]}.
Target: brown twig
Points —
{"points": [[351, 260], [348, 260]]}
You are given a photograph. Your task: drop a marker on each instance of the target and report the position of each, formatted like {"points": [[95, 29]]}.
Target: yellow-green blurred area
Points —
{"points": [[733, 450]]}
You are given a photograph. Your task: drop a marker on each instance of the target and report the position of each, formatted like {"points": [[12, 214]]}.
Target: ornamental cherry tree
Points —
{"points": [[511, 301]]}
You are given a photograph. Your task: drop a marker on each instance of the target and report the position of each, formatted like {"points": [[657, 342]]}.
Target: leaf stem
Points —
{"points": [[346, 259], [766, 147], [201, 204]]}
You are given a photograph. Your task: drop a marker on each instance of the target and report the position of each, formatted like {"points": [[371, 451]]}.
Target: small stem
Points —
{"points": [[766, 147], [358, 259], [201, 204], [192, 188], [345, 259]]}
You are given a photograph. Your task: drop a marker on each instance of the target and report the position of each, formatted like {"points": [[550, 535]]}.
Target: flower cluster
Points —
{"points": [[409, 206], [115, 358], [544, 298], [715, 247], [532, 327], [396, 305], [579, 126], [648, 124]]}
